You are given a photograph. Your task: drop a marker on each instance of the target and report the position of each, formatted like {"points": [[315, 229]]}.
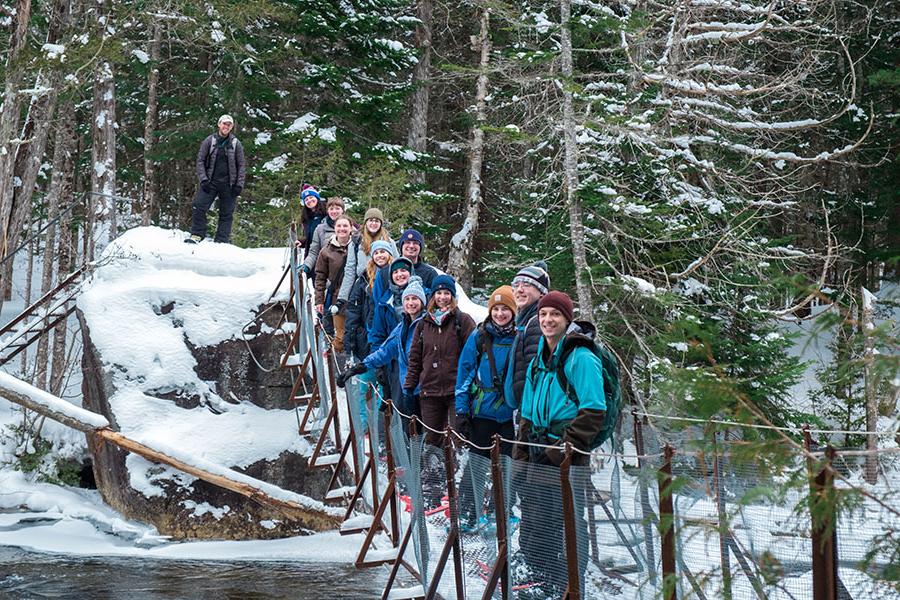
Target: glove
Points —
{"points": [[307, 270], [409, 402], [206, 186], [334, 309], [357, 369], [236, 190], [555, 454], [464, 425]]}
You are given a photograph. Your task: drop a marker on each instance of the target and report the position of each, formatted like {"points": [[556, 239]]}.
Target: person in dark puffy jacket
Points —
{"points": [[311, 215], [412, 244], [481, 412], [360, 306], [529, 285]]}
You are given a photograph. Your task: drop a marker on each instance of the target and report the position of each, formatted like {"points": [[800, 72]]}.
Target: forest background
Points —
{"points": [[702, 175]]}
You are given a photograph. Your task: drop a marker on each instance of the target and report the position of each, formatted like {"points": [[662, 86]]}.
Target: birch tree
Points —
{"points": [[103, 133]]}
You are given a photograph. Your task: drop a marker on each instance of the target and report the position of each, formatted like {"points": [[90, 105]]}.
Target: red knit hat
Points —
{"points": [[561, 302]]}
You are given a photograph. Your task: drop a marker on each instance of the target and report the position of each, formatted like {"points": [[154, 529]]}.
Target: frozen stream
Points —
{"points": [[25, 574]]}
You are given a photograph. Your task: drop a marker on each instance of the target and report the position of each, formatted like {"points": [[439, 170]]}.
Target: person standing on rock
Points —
{"points": [[221, 172]]}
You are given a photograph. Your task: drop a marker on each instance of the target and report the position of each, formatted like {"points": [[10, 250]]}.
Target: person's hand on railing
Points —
{"points": [[357, 369], [463, 425]]}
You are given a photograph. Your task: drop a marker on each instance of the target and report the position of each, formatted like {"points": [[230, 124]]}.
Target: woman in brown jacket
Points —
{"points": [[434, 355], [330, 273]]}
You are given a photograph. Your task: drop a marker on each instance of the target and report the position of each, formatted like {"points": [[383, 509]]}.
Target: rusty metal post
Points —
{"points": [[453, 499], [667, 525], [500, 570], [573, 592], [724, 529], [392, 472], [821, 508], [646, 510]]}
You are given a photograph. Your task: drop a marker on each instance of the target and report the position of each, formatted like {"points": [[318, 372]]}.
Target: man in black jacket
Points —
{"points": [[221, 171]]}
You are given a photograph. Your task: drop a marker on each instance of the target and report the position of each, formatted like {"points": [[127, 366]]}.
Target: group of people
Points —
{"points": [[400, 322]]}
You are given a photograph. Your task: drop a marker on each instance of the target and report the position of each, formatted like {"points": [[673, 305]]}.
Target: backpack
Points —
{"points": [[612, 389], [484, 343]]}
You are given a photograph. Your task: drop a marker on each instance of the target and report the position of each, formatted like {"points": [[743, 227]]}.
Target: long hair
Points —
{"points": [[432, 304], [366, 239], [371, 271]]}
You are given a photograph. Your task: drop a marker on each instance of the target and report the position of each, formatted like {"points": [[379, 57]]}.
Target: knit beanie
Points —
{"points": [[535, 275], [401, 262], [383, 245], [335, 200], [502, 295], [411, 235], [415, 288], [444, 282], [561, 302], [308, 190], [374, 213]]}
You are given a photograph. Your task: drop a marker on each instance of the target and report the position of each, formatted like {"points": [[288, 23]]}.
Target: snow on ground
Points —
{"points": [[76, 522]]}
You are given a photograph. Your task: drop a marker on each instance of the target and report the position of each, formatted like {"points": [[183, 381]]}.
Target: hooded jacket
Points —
{"points": [[396, 347], [547, 408], [435, 351], [384, 312], [486, 401], [206, 160], [330, 270]]}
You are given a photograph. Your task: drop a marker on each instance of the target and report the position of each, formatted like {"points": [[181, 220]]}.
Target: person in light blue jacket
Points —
{"points": [[396, 347], [481, 412]]}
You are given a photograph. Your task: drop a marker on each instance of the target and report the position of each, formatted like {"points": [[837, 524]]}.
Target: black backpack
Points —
{"points": [[612, 388]]}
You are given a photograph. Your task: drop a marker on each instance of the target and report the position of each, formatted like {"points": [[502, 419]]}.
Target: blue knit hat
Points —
{"points": [[415, 288], [383, 245], [309, 190], [411, 235], [444, 282]]}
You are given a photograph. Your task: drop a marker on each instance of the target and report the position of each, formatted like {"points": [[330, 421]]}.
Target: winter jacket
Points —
{"points": [[426, 272], [396, 347], [206, 160], [309, 220], [360, 309], [384, 311], [320, 237], [547, 408], [485, 401], [524, 348], [330, 271], [435, 351], [357, 259]]}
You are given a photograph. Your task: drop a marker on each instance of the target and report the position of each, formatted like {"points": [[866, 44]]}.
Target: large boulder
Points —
{"points": [[180, 352]]}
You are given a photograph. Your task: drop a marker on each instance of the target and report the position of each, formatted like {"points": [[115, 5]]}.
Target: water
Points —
{"points": [[39, 576]]}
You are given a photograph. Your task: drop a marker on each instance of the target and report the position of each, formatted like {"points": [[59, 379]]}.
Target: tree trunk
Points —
{"points": [[29, 281], [868, 302], [576, 227], [418, 114], [30, 155], [150, 208], [61, 194], [9, 122], [460, 259], [103, 142]]}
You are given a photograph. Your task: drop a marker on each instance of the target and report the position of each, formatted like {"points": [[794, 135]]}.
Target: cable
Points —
{"points": [[767, 427]]}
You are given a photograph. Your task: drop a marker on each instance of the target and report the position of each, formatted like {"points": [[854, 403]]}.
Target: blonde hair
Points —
{"points": [[371, 270], [366, 239]]}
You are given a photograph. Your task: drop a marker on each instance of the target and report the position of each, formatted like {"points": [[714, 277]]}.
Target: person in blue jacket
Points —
{"points": [[480, 410], [396, 346], [387, 298], [551, 418]]}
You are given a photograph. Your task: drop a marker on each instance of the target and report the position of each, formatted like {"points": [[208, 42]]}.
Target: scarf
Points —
{"points": [[439, 315], [505, 330]]}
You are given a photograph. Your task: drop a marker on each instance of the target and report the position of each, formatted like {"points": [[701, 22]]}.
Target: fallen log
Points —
{"points": [[291, 504]]}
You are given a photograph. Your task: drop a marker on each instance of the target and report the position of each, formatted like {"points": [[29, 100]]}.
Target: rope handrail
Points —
{"points": [[797, 430]]}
